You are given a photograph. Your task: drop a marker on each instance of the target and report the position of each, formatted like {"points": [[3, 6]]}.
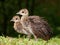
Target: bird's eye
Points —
{"points": [[22, 11], [16, 18]]}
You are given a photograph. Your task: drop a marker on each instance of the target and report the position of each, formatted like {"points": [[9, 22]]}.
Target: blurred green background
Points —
{"points": [[49, 9]]}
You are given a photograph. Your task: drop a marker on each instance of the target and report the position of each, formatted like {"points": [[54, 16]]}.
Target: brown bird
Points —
{"points": [[36, 25], [18, 26]]}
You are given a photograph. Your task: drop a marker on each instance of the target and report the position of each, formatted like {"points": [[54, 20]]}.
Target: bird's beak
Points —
{"points": [[11, 20], [18, 13]]}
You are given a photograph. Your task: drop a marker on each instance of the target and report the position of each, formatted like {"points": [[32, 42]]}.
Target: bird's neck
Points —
{"points": [[17, 23], [24, 18]]}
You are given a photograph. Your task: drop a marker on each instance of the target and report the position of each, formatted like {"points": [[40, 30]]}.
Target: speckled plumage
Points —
{"points": [[40, 27], [18, 26], [35, 25]]}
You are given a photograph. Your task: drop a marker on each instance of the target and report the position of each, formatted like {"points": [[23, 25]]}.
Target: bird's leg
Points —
{"points": [[35, 37], [30, 30], [29, 36]]}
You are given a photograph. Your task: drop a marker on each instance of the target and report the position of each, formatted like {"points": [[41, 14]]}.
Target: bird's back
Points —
{"points": [[40, 27]]}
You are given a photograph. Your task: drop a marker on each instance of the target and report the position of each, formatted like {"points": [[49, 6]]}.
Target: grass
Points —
{"points": [[55, 40], [25, 41]]}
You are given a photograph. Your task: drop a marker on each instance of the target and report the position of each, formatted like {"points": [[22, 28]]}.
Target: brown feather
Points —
{"points": [[40, 27]]}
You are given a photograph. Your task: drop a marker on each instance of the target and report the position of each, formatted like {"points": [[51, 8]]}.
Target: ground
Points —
{"points": [[24, 41], [55, 40]]}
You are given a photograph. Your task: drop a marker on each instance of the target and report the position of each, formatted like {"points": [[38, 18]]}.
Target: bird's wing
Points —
{"points": [[40, 27], [18, 27]]}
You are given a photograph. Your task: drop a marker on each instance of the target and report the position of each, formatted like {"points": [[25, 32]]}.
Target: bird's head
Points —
{"points": [[23, 12], [15, 19]]}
